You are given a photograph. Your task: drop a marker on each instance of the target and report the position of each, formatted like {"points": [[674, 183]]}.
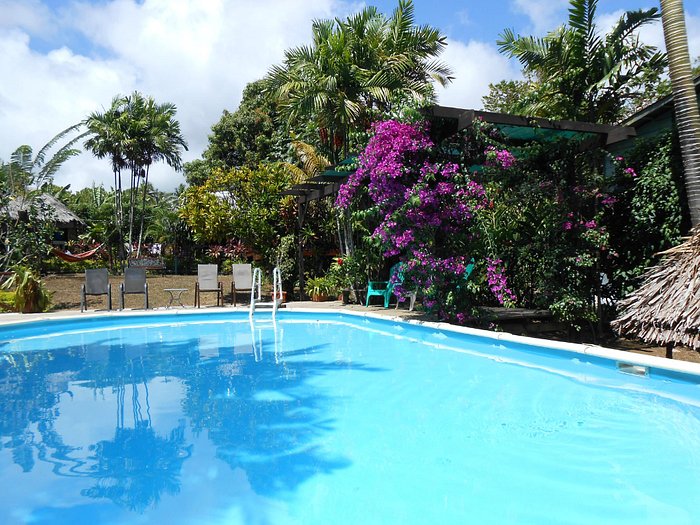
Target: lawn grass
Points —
{"points": [[65, 290]]}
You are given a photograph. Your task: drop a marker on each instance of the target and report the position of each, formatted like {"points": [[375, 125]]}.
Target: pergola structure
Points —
{"points": [[447, 121]]}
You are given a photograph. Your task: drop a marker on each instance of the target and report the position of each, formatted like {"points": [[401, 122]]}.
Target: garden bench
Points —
{"points": [[147, 263]]}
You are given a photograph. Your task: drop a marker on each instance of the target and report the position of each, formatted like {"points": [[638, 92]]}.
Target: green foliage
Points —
{"points": [[548, 220], [285, 259], [197, 172], [355, 66], [23, 180], [509, 96], [7, 301], [30, 295], [242, 203], [56, 265], [650, 216], [321, 285], [249, 135], [252, 134], [27, 237], [581, 75], [348, 272], [27, 169]]}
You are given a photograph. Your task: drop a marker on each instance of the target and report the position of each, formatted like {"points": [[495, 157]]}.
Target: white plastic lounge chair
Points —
{"points": [[242, 280], [134, 283], [208, 281], [96, 283]]}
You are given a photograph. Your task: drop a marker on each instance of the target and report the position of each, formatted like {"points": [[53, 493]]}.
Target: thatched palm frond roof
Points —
{"points": [[666, 307], [61, 214]]}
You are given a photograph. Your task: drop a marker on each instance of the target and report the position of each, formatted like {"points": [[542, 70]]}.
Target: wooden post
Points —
{"points": [[669, 349]]}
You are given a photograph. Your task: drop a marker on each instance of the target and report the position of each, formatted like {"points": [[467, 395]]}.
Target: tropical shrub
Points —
{"points": [[30, 294], [240, 204], [320, 286], [549, 216]]}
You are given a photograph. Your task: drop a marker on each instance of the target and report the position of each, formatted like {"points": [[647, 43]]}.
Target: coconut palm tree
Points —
{"points": [[581, 75], [684, 100]]}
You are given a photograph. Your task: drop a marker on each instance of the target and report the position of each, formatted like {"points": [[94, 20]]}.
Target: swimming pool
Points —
{"points": [[333, 419]]}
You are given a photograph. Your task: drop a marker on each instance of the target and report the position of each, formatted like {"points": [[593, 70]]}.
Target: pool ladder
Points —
{"points": [[256, 293]]}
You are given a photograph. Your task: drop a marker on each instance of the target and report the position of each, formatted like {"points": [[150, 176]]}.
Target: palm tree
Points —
{"points": [[684, 100], [39, 169], [108, 139], [357, 65], [135, 132], [161, 141], [581, 75]]}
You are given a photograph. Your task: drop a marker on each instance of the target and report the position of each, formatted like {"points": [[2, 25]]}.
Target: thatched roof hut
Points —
{"points": [[62, 216], [665, 310]]}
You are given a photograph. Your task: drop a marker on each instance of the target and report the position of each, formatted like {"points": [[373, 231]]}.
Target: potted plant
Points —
{"points": [[30, 294], [320, 288]]}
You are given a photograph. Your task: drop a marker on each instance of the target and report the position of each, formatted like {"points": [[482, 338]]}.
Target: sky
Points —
{"points": [[64, 59]]}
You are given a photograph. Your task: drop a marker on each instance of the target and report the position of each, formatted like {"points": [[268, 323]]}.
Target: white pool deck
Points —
{"points": [[402, 315]]}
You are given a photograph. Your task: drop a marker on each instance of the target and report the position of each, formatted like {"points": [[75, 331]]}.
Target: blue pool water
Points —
{"points": [[332, 419]]}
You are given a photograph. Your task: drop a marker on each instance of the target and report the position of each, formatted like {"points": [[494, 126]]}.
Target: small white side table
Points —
{"points": [[175, 295]]}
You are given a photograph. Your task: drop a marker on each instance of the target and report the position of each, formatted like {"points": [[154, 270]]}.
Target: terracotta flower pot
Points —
{"points": [[284, 296]]}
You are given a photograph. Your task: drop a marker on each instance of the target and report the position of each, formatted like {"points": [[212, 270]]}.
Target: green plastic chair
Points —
{"points": [[468, 269], [382, 288], [467, 272]]}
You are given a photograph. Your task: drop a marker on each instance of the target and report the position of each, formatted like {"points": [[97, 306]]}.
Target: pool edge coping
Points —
{"points": [[577, 348]]}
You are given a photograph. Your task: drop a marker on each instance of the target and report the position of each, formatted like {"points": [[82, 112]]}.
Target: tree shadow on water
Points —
{"points": [[266, 415]]}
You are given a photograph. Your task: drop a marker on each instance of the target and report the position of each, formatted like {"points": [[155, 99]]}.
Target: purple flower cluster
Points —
{"points": [[384, 160], [499, 157], [628, 170], [498, 282]]}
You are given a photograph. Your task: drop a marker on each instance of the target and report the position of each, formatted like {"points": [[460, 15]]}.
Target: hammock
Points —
{"points": [[76, 257]]}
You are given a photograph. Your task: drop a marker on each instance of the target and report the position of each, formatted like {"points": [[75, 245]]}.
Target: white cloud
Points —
{"points": [[42, 94], [31, 15], [544, 15], [475, 65], [197, 55]]}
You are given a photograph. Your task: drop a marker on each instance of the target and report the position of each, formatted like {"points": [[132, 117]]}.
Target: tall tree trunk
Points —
{"points": [[143, 210], [119, 214], [684, 99], [132, 204]]}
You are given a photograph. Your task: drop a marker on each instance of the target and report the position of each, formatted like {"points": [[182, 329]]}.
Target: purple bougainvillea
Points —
{"points": [[498, 284], [427, 209]]}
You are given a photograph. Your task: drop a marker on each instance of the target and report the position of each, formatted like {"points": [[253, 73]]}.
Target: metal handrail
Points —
{"points": [[256, 291]]}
